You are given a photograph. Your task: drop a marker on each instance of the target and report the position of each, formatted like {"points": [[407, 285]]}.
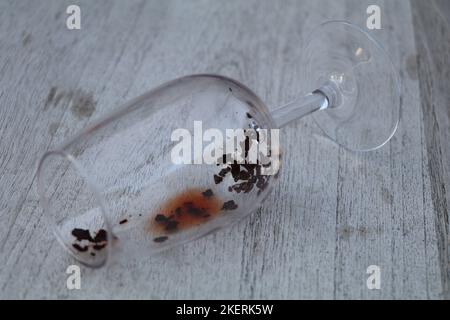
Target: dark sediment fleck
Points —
{"points": [[194, 210], [101, 236], [208, 193], [249, 167], [244, 175], [80, 248], [123, 221], [267, 165], [224, 171], [160, 218], [81, 234], [229, 205], [99, 246], [160, 239], [235, 169], [217, 179], [171, 225]]}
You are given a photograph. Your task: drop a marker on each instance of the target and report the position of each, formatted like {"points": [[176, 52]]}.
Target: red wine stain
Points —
{"points": [[185, 210]]}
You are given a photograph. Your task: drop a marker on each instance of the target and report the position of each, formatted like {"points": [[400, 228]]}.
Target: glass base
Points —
{"points": [[367, 115]]}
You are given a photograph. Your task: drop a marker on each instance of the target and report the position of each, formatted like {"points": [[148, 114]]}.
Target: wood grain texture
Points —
{"points": [[433, 55], [333, 214]]}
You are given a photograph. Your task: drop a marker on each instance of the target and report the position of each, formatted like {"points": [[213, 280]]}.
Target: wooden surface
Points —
{"points": [[332, 215]]}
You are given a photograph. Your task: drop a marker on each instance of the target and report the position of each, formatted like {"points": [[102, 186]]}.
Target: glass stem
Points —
{"points": [[299, 108], [329, 95]]}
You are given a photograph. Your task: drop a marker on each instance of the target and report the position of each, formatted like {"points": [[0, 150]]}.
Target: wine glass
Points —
{"points": [[115, 191]]}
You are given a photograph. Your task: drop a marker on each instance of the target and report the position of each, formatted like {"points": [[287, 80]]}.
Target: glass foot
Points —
{"points": [[367, 114]]}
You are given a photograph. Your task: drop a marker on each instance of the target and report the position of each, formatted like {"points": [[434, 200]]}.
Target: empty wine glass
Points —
{"points": [[114, 190]]}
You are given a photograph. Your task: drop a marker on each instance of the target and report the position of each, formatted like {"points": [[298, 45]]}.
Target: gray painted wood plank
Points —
{"points": [[432, 35], [333, 213]]}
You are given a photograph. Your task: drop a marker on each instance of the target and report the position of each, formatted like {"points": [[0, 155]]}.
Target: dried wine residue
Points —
{"points": [[187, 210], [247, 176]]}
